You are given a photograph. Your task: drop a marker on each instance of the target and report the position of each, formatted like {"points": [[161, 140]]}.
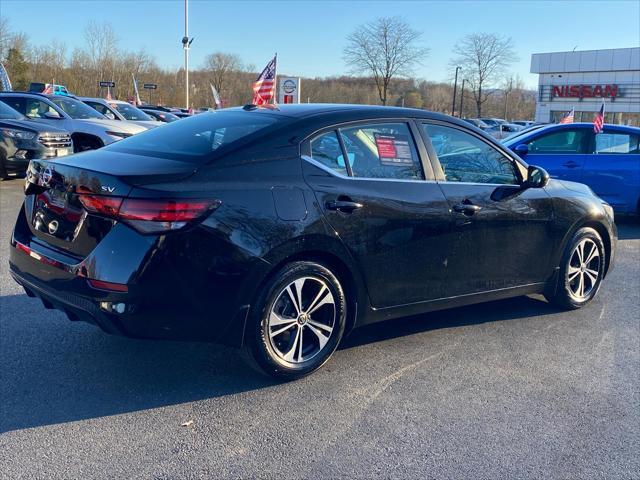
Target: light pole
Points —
{"points": [[186, 43], [455, 86], [461, 96]]}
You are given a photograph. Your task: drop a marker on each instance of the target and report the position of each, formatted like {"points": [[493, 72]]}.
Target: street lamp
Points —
{"points": [[461, 97], [186, 43], [455, 85]]}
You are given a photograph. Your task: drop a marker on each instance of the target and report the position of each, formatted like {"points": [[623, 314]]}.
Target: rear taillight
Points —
{"points": [[150, 215]]}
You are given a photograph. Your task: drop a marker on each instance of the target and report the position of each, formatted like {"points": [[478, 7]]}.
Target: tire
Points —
{"points": [[3, 171], [581, 270], [277, 322]]}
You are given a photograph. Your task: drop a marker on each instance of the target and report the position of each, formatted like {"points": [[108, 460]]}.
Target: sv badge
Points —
{"points": [[104, 188]]}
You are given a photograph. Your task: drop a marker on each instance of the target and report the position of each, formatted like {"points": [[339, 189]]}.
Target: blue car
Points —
{"points": [[608, 162]]}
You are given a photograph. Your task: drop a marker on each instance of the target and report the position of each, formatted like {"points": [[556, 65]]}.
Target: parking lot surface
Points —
{"points": [[507, 389]]}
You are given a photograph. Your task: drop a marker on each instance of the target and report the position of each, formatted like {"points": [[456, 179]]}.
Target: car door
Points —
{"points": [[613, 169], [562, 152], [376, 194], [504, 233]]}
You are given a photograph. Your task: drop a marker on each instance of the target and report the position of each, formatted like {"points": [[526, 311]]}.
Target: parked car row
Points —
{"points": [[499, 128], [38, 125]]}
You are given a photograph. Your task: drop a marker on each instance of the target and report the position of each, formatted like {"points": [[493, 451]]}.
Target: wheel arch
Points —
{"points": [[599, 227], [333, 255], [79, 137]]}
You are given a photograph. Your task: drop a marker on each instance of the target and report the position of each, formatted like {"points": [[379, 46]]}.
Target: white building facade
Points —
{"points": [[584, 80]]}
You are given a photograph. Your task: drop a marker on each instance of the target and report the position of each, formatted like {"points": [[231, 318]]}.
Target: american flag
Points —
{"points": [[598, 120], [264, 88], [568, 117]]}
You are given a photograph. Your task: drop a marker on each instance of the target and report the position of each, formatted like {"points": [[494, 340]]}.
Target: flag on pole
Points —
{"points": [[216, 97], [137, 100], [5, 83], [568, 117], [264, 88], [598, 120]]}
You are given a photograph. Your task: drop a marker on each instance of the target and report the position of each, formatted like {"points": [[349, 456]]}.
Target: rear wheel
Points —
{"points": [[581, 271], [297, 321], [3, 171]]}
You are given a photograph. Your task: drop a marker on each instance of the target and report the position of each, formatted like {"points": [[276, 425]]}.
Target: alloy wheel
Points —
{"points": [[583, 270], [302, 319]]}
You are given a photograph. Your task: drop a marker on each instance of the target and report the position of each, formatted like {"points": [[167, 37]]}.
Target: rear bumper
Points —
{"points": [[75, 307]]}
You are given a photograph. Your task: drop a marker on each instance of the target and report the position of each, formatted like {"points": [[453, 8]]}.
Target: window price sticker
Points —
{"points": [[393, 149]]}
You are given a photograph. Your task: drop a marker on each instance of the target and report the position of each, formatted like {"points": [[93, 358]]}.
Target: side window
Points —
{"points": [[37, 109], [466, 158], [16, 103], [100, 108], [382, 150], [564, 141], [326, 150], [617, 143]]}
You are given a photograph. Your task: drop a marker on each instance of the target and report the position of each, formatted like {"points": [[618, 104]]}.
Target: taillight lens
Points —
{"points": [[149, 215]]}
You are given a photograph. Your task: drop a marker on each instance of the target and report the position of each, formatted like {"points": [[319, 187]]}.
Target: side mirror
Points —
{"points": [[522, 149], [537, 177], [52, 115]]}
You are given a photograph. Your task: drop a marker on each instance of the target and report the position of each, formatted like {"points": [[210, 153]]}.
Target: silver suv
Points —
{"points": [[89, 129], [121, 111]]}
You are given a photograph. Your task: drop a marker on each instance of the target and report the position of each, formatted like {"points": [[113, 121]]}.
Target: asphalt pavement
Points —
{"points": [[509, 389]]}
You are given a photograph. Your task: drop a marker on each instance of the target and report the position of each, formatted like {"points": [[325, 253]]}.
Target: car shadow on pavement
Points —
{"points": [[500, 310], [56, 371]]}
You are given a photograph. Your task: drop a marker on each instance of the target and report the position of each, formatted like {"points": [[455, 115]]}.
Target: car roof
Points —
{"points": [[526, 134], [38, 95], [337, 113]]}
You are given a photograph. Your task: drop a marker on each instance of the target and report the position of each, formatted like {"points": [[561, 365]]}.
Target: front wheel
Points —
{"points": [[297, 321], [581, 270]]}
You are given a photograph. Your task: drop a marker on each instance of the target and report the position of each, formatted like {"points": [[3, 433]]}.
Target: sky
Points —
{"points": [[309, 36]]}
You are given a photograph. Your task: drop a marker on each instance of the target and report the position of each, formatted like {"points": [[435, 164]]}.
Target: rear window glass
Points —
{"points": [[194, 139]]}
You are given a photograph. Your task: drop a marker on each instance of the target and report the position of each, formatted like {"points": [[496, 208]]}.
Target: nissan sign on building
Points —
{"points": [[584, 80], [288, 90]]}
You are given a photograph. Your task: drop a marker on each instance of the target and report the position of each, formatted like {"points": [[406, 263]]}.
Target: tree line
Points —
{"points": [[382, 56]]}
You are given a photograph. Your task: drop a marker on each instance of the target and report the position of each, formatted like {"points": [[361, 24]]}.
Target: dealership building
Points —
{"points": [[584, 80]]}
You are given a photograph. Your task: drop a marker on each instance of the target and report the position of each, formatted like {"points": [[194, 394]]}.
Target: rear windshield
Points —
{"points": [[194, 139]]}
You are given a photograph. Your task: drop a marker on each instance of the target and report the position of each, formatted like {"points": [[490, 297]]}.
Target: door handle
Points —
{"points": [[344, 206], [466, 208], [571, 164]]}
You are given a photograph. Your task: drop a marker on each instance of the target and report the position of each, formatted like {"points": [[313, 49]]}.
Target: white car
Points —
{"points": [[122, 111], [89, 129]]}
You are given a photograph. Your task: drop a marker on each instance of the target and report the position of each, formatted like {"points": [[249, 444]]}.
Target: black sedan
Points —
{"points": [[162, 116], [279, 230]]}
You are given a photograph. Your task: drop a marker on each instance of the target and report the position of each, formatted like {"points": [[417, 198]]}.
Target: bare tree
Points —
{"points": [[484, 57], [385, 48], [221, 66], [101, 42]]}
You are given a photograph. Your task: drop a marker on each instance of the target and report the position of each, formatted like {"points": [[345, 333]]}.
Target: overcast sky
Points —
{"points": [[309, 35]]}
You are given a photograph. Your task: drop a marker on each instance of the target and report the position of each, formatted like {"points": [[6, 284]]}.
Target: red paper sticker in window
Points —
{"points": [[386, 146], [393, 149]]}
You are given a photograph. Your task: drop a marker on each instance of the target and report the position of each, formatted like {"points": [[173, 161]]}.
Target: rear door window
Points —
{"points": [[326, 150], [619, 142], [574, 141], [382, 150]]}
